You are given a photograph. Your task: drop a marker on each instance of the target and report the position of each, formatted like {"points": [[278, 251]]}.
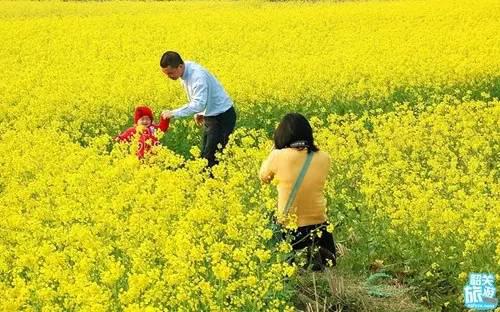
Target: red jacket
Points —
{"points": [[147, 138]]}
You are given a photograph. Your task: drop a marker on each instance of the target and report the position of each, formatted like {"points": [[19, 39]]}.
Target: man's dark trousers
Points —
{"points": [[216, 131]]}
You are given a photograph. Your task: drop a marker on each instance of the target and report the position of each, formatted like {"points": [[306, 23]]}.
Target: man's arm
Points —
{"points": [[198, 101]]}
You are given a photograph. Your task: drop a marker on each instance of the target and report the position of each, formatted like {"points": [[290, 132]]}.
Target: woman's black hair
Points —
{"points": [[294, 131]]}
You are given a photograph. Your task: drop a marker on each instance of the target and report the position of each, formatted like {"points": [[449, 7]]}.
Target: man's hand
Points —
{"points": [[166, 114], [199, 119]]}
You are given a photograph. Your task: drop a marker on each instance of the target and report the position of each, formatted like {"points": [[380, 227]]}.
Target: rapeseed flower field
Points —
{"points": [[403, 95]]}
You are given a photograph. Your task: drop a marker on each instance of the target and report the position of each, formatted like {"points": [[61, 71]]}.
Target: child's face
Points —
{"points": [[144, 121]]}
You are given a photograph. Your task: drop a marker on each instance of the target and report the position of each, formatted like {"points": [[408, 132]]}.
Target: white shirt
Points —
{"points": [[205, 94]]}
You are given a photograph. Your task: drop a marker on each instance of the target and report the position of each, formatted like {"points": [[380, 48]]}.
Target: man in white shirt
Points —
{"points": [[208, 102]]}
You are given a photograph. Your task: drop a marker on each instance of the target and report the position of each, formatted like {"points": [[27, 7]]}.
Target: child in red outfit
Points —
{"points": [[143, 120]]}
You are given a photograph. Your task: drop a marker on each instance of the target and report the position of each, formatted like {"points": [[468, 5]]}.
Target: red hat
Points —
{"points": [[141, 111]]}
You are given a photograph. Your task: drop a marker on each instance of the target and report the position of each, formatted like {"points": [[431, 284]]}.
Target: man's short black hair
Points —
{"points": [[172, 59], [294, 128]]}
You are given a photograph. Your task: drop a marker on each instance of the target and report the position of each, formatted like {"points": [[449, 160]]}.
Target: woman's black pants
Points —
{"points": [[318, 243]]}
